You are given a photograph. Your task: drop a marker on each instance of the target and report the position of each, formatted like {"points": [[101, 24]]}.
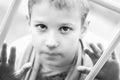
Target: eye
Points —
{"points": [[65, 29], [41, 27]]}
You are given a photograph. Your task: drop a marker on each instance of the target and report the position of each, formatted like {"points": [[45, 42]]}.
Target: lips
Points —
{"points": [[51, 56], [51, 53]]}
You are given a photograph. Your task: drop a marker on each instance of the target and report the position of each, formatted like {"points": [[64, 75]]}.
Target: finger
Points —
{"points": [[89, 53], [114, 56], [4, 54], [23, 70], [83, 69], [101, 47], [12, 57], [96, 51]]}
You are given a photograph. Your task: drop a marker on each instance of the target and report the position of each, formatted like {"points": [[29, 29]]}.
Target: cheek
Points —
{"points": [[37, 41], [71, 44], [36, 38], [70, 48]]}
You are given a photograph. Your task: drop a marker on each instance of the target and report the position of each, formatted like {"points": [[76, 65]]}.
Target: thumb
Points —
{"points": [[84, 69], [20, 73]]}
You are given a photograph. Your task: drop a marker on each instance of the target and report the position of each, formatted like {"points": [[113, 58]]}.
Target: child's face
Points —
{"points": [[55, 34]]}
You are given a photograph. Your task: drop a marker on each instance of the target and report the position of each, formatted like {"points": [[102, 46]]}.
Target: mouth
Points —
{"points": [[51, 54]]}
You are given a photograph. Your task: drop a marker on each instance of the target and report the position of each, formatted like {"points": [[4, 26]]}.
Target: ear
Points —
{"points": [[28, 19], [29, 22], [84, 28]]}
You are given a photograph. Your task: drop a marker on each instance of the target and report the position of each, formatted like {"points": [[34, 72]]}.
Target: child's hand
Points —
{"points": [[7, 71], [95, 52], [110, 70]]}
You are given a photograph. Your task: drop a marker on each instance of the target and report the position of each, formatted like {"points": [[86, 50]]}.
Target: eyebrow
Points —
{"points": [[36, 21], [43, 21], [61, 23], [66, 24]]}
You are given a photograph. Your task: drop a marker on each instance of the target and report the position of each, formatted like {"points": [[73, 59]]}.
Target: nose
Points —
{"points": [[51, 41]]}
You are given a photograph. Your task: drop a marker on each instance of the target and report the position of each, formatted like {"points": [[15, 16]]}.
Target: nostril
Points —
{"points": [[52, 46], [52, 41]]}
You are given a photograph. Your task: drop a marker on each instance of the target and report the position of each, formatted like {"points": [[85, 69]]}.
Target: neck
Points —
{"points": [[49, 70]]}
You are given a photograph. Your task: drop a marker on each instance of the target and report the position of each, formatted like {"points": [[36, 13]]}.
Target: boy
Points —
{"points": [[54, 46]]}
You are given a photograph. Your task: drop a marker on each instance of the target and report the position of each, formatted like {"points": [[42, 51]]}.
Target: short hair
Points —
{"points": [[82, 5]]}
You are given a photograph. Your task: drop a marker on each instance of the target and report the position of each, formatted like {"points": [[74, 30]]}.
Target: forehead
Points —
{"points": [[44, 11]]}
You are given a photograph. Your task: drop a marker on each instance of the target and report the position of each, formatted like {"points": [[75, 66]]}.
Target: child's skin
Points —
{"points": [[55, 37]]}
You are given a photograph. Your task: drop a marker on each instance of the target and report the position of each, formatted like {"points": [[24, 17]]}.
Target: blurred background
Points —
{"points": [[104, 22]]}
